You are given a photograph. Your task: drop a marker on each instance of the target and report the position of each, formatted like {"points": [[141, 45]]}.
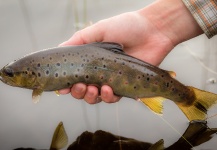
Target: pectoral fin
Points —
{"points": [[36, 94], [154, 103]]}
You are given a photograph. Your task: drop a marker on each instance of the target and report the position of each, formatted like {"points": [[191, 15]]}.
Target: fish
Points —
{"points": [[105, 63], [103, 140], [196, 134], [59, 140]]}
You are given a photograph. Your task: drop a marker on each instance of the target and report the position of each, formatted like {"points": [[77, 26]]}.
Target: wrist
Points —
{"points": [[173, 19]]}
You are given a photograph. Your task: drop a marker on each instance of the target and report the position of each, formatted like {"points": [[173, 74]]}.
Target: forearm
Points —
{"points": [[173, 19]]}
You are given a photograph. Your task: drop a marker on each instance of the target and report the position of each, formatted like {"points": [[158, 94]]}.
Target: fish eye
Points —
{"points": [[8, 72]]}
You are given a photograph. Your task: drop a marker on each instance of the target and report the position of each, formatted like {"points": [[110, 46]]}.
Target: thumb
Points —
{"points": [[90, 34]]}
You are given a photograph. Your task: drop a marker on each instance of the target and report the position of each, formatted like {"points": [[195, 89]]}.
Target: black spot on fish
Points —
{"points": [[134, 87], [38, 65], [69, 54], [95, 67], [84, 60], [39, 74], [139, 77], [76, 75], [78, 53], [104, 66], [171, 81], [115, 60], [58, 64], [63, 55], [64, 73], [51, 58], [65, 60], [33, 73], [173, 89], [120, 72], [102, 58], [42, 57], [48, 65], [68, 84], [47, 72], [86, 55], [28, 69], [72, 64], [82, 56], [56, 74], [101, 77], [78, 70], [167, 84], [25, 72], [148, 78], [82, 65], [88, 60], [57, 53], [162, 76], [86, 76], [123, 63], [92, 56]]}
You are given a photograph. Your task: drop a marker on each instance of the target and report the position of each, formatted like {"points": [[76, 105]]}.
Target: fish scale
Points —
{"points": [[105, 64]]}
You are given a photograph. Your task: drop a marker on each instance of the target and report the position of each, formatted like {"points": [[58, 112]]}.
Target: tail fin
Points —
{"points": [[197, 111], [60, 138]]}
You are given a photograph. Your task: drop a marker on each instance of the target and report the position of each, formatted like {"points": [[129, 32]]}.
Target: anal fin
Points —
{"points": [[154, 103]]}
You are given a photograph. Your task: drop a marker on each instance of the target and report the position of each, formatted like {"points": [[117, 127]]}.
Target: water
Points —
{"points": [[31, 25]]}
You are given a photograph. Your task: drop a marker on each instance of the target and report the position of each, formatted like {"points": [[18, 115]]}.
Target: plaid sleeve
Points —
{"points": [[205, 13]]}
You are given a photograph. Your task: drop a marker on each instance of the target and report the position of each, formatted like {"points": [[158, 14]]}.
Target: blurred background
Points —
{"points": [[27, 26]]}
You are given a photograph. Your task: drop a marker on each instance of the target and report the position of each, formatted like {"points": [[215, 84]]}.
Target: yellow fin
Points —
{"points": [[198, 110], [60, 138], [57, 93], [172, 74], [154, 103]]}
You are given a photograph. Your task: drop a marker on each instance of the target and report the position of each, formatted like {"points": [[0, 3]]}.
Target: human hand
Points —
{"points": [[142, 36], [139, 38]]}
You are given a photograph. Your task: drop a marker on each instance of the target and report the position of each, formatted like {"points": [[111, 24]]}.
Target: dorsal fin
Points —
{"points": [[115, 47], [60, 138]]}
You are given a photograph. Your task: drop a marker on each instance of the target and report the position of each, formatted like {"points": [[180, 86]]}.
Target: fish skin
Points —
{"points": [[90, 64], [100, 64]]}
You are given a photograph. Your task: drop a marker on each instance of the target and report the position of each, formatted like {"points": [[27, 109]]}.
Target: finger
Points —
{"points": [[107, 95], [78, 90], [91, 95], [64, 91], [93, 33]]}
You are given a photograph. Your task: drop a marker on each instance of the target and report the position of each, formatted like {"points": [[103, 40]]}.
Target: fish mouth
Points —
{"points": [[1, 76]]}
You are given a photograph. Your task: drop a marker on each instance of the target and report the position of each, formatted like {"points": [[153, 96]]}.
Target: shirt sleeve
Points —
{"points": [[205, 13]]}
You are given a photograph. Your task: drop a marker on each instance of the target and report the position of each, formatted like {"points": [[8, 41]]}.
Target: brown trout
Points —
{"points": [[105, 64]]}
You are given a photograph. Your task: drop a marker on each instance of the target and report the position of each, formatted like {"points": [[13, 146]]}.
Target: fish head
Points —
{"points": [[17, 75]]}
